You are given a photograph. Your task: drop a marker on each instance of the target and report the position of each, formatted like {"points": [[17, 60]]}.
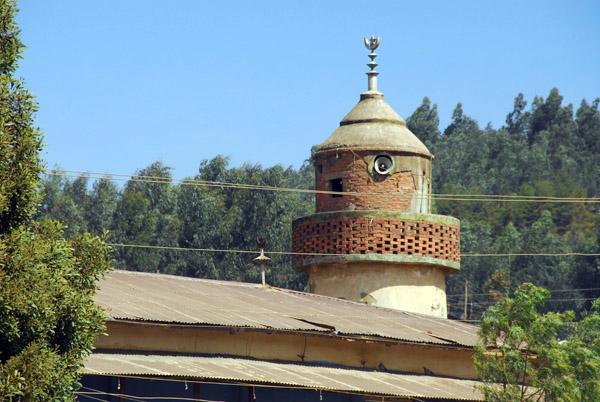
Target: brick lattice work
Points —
{"points": [[376, 236]]}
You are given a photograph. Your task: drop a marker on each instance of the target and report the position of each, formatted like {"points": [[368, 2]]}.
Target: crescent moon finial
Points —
{"points": [[372, 43]]}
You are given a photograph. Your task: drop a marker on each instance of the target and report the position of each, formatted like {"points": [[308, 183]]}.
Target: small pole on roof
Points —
{"points": [[262, 259], [466, 299], [371, 44]]}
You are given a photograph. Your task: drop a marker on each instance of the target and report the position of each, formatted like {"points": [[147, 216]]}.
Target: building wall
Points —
{"points": [[410, 287], [406, 189], [291, 346]]}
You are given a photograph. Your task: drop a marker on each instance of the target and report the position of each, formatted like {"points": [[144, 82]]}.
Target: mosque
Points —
{"points": [[371, 326]]}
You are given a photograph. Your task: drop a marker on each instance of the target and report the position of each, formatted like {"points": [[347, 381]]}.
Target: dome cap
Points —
{"points": [[372, 124]]}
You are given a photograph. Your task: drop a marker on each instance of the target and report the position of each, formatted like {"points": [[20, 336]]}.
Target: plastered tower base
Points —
{"points": [[416, 287]]}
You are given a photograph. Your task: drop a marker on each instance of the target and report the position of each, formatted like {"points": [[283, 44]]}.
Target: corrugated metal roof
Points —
{"points": [[296, 375], [174, 299]]}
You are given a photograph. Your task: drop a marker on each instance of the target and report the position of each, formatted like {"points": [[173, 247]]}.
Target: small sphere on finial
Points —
{"points": [[372, 43]]}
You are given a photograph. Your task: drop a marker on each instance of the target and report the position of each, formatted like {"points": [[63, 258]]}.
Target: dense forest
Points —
{"points": [[545, 152]]}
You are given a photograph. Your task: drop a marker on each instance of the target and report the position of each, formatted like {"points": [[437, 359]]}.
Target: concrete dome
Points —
{"points": [[372, 124]]}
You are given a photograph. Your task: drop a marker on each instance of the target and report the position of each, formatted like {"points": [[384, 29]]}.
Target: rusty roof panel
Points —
{"points": [[297, 375], [174, 299]]}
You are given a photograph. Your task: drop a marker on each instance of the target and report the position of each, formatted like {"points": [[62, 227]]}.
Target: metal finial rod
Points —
{"points": [[372, 44]]}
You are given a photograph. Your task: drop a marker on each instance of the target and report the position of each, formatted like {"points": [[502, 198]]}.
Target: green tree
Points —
{"points": [[540, 152], [517, 121], [587, 274], [505, 171], [233, 218], [227, 217], [72, 205], [206, 222], [48, 320], [102, 204], [67, 201], [588, 131], [475, 238], [425, 123], [462, 148], [146, 215], [20, 143], [524, 355]]}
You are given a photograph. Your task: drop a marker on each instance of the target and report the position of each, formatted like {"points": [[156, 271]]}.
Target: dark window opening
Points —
{"points": [[336, 185], [320, 169]]}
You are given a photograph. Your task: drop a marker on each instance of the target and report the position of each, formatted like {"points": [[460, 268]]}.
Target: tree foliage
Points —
{"points": [[48, 320], [20, 143], [525, 355], [543, 150], [152, 211]]}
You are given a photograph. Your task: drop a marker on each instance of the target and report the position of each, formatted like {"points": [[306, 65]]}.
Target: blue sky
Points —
{"points": [[121, 84]]}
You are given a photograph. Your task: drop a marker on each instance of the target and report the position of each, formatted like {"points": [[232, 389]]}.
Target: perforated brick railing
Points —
{"points": [[376, 236]]}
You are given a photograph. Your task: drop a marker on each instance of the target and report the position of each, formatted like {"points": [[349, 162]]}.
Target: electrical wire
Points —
{"points": [[98, 392], [87, 395], [205, 183], [458, 300], [216, 250], [481, 307], [442, 256], [574, 254], [549, 290], [456, 197], [139, 398], [155, 179], [571, 299]]}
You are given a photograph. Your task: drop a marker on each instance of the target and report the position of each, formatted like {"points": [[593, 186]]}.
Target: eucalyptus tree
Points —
{"points": [[101, 205], [460, 154], [222, 209], [425, 122], [145, 216]]}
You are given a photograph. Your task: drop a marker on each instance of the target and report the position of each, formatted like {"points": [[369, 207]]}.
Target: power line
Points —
{"points": [[215, 250], [139, 398], [550, 290], [442, 256], [205, 183], [98, 392], [168, 180], [482, 306], [195, 182], [88, 396], [571, 299], [532, 255]]}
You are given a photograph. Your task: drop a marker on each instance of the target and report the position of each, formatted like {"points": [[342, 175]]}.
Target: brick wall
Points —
{"points": [[379, 192], [376, 236]]}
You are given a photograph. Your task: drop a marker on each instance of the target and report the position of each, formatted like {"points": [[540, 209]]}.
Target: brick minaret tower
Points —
{"points": [[374, 239]]}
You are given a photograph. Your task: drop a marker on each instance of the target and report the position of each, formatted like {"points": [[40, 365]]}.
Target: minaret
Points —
{"points": [[372, 238]]}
